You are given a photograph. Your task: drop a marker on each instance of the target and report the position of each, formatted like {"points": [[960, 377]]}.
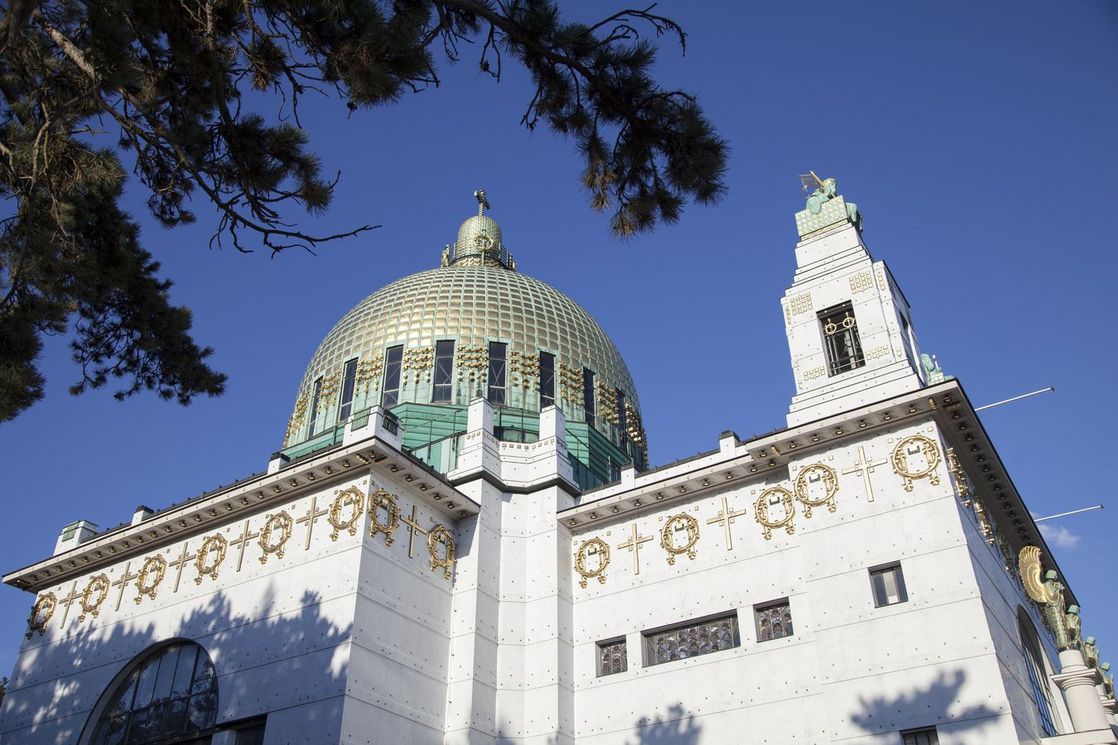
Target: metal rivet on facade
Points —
{"points": [[394, 468]]}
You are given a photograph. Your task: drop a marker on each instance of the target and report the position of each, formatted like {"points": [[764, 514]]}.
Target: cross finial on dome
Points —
{"points": [[482, 202]]}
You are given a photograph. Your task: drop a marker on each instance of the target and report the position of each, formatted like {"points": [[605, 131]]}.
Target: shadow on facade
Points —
{"points": [[258, 655], [677, 727], [923, 707]]}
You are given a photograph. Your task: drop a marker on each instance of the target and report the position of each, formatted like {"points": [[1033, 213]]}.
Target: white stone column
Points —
{"points": [[1077, 681]]}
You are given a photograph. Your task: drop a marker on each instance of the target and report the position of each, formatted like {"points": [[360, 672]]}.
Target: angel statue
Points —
{"points": [[1049, 594], [1091, 652]]}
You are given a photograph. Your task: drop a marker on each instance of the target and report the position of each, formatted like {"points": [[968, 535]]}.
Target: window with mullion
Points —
{"points": [[497, 371], [841, 340], [888, 585], [443, 386], [390, 391], [349, 380], [547, 380], [774, 620], [691, 639]]}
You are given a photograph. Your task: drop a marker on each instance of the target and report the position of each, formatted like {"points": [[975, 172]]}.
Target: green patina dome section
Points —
{"points": [[478, 302]]}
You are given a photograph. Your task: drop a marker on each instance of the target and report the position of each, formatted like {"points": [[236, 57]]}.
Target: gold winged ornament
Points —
{"points": [[1048, 592]]}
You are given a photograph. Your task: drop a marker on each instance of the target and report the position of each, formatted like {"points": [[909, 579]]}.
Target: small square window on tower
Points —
{"points": [[924, 736], [612, 657], [841, 341], [888, 585]]}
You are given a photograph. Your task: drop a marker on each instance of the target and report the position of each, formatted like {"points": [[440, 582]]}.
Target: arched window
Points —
{"points": [[169, 696], [1039, 689]]}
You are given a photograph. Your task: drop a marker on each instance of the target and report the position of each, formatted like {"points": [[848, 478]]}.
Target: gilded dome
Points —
{"points": [[453, 324]]}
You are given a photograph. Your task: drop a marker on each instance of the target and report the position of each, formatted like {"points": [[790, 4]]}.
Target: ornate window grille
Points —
{"points": [[612, 657], [774, 620], [888, 585], [841, 339], [692, 639], [925, 736], [393, 358], [497, 371]]}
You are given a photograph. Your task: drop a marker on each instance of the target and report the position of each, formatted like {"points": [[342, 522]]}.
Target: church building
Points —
{"points": [[462, 542]]}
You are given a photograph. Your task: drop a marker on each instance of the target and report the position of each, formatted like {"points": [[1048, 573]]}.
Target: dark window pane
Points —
{"points": [[888, 585], [692, 640], [251, 735], [184, 673], [547, 380], [166, 678], [390, 392], [612, 657], [202, 710], [497, 372], [773, 621], [145, 686], [588, 395], [316, 394], [349, 379], [444, 372]]}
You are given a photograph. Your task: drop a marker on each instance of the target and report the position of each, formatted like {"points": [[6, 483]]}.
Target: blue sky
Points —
{"points": [[978, 139]]}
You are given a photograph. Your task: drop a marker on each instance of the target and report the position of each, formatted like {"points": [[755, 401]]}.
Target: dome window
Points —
{"points": [[497, 370], [547, 380], [393, 357], [588, 394], [442, 390], [349, 379]]}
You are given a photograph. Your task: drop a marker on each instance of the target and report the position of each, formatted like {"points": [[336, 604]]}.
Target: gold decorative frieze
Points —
{"points": [[861, 281], [916, 457], [592, 548], [471, 361], [570, 383], [771, 497], [440, 536], [275, 534], [959, 476], [882, 281], [297, 417], [524, 369], [93, 596], [813, 373], [368, 375], [816, 485], [41, 613], [801, 303], [345, 512], [209, 558], [607, 402], [151, 574], [382, 500], [882, 351], [680, 524], [418, 362], [635, 426]]}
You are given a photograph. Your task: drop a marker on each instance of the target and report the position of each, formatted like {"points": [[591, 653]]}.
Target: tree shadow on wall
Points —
{"points": [[923, 707], [677, 727], [60, 677]]}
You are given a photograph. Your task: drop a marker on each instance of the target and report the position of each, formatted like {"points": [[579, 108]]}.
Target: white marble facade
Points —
{"points": [[343, 623]]}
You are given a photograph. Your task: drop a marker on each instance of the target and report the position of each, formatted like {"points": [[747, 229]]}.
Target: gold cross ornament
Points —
{"points": [[725, 518], [68, 600], [309, 519], [179, 563], [634, 545], [246, 536], [865, 466], [413, 528], [124, 580]]}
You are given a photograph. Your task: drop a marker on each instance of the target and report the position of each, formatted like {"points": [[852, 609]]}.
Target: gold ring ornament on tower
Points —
{"points": [[808, 483], [41, 613], [282, 522], [916, 445], [151, 574], [592, 547], [215, 545], [677, 524], [93, 596], [382, 500], [440, 535], [765, 501], [353, 499]]}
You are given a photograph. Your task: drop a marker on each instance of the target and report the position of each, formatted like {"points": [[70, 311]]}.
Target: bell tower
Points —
{"points": [[848, 325]]}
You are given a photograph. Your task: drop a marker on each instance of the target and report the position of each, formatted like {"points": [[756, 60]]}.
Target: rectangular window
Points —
{"points": [[612, 657], [691, 639], [588, 394], [444, 371], [888, 585], [390, 391], [774, 620], [926, 736], [349, 379], [547, 380], [316, 395], [840, 339], [497, 369]]}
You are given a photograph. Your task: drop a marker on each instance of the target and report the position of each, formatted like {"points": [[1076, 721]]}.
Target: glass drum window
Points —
{"points": [[444, 371], [588, 394], [349, 379], [691, 639], [611, 657], [888, 585], [622, 424], [393, 358], [497, 371], [547, 380], [773, 620], [316, 395], [841, 340]]}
